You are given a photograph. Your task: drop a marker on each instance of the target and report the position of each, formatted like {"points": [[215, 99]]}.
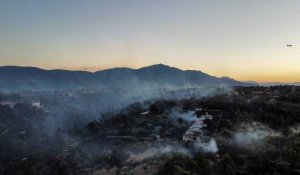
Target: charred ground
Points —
{"points": [[256, 130]]}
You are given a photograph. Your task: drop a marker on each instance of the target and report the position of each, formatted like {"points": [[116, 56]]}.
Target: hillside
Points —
{"points": [[250, 130], [13, 78]]}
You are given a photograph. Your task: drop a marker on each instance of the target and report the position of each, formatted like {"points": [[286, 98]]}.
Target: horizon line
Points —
{"points": [[134, 68]]}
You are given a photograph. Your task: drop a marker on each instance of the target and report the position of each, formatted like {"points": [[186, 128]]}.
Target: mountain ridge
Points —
{"points": [[16, 78]]}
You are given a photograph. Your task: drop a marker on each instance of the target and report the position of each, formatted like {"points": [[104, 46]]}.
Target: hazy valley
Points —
{"points": [[169, 122]]}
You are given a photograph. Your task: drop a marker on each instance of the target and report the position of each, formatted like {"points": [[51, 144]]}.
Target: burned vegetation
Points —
{"points": [[250, 130]]}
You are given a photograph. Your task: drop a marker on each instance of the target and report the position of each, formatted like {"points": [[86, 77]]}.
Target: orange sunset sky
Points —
{"points": [[245, 40]]}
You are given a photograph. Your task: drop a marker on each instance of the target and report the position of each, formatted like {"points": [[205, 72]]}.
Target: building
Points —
{"points": [[195, 131]]}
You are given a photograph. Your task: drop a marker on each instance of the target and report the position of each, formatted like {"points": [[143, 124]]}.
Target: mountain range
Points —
{"points": [[14, 78]]}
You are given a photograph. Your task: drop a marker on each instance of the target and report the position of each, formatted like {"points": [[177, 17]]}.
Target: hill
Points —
{"points": [[13, 78]]}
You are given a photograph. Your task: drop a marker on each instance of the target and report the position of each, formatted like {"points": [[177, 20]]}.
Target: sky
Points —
{"points": [[245, 40]]}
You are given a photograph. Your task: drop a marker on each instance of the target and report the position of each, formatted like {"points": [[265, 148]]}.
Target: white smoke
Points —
{"points": [[295, 129], [253, 134], [208, 147], [189, 117], [152, 152]]}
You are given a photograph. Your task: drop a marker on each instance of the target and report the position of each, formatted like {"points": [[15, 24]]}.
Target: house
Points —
{"points": [[36, 104], [195, 131]]}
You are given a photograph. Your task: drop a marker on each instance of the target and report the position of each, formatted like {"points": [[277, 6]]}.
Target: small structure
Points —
{"points": [[195, 131], [36, 104]]}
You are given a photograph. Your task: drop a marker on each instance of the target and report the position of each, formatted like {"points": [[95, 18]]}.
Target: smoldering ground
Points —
{"points": [[72, 145], [76, 109], [65, 114], [251, 134]]}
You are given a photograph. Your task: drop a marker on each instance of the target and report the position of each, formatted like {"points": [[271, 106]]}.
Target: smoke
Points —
{"points": [[79, 107], [157, 151], [207, 147], [295, 129], [250, 135], [189, 117], [65, 114]]}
